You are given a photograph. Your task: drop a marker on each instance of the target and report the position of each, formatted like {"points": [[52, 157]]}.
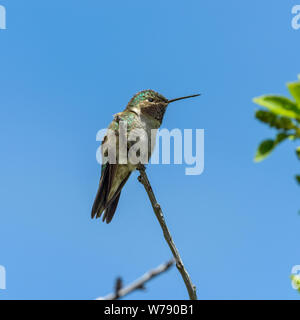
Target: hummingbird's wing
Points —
{"points": [[113, 178], [112, 204]]}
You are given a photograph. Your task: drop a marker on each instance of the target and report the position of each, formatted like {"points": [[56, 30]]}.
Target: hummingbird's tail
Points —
{"points": [[109, 191]]}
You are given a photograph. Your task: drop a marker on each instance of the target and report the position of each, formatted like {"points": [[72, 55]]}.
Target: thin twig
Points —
{"points": [[139, 284], [143, 178]]}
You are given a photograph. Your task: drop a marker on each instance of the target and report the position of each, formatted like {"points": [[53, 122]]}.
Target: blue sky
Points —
{"points": [[65, 68]]}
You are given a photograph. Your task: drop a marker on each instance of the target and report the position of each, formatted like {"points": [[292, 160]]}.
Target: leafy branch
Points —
{"points": [[296, 282], [282, 114]]}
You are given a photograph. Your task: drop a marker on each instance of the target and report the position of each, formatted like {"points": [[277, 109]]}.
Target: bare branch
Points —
{"points": [[139, 284], [160, 217], [118, 287]]}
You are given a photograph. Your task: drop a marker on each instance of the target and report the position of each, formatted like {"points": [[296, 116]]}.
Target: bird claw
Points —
{"points": [[140, 167]]}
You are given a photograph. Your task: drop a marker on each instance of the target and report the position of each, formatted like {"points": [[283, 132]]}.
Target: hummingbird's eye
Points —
{"points": [[150, 99]]}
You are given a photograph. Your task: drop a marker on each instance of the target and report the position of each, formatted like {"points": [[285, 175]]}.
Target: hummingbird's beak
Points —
{"points": [[186, 97]]}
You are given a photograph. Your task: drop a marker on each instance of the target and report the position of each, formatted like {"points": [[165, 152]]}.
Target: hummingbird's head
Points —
{"points": [[151, 103], [148, 103]]}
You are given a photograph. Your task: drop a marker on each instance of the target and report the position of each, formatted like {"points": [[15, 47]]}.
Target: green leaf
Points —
{"points": [[279, 105], [284, 123], [266, 117], [296, 281], [264, 149], [298, 152], [274, 121], [280, 137], [267, 146], [294, 88]]}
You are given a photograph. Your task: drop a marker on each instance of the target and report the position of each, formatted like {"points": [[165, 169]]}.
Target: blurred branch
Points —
{"points": [[160, 217], [139, 284]]}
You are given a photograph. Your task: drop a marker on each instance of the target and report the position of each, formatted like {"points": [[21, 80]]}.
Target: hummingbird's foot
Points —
{"points": [[141, 167]]}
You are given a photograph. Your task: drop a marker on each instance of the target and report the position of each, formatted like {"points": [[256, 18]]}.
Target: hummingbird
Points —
{"points": [[145, 111]]}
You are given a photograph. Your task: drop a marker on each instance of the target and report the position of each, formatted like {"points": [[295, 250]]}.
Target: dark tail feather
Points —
{"points": [[101, 203], [111, 209], [102, 193], [111, 206]]}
